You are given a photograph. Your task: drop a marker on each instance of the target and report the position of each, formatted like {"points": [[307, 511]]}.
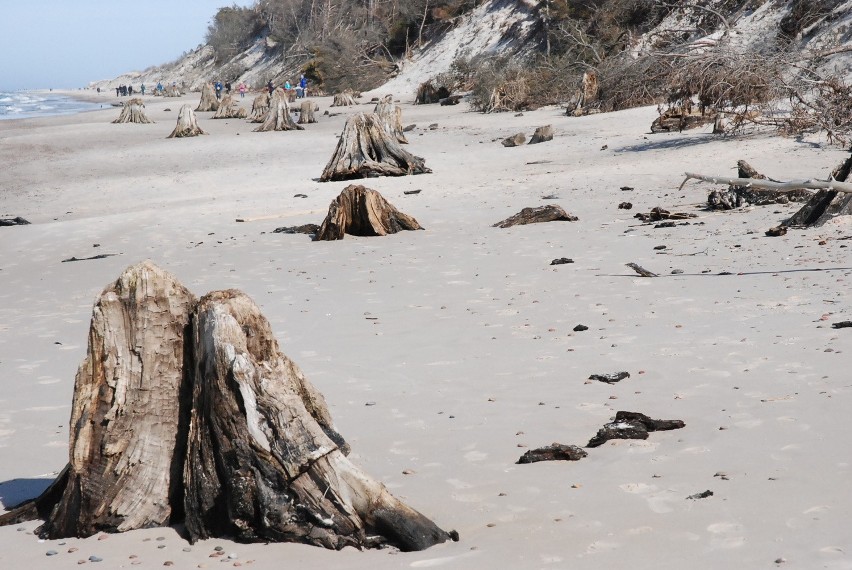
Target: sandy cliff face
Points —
{"points": [[512, 27]]}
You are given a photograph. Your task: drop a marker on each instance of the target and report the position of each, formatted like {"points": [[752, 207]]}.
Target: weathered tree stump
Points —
{"points": [[826, 205], [737, 196], [278, 116], [344, 99], [172, 91], [306, 112], [428, 92], [208, 102], [631, 425], [229, 108], [542, 134], [187, 410], [515, 140], [187, 125], [365, 149], [553, 452], [129, 414], [391, 116], [259, 107], [133, 112], [549, 213], [360, 211]]}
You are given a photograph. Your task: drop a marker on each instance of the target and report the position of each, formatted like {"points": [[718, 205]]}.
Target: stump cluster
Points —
{"points": [[187, 410], [229, 108]]}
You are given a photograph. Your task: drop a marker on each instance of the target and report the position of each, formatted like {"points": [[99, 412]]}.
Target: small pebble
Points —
{"points": [[103, 537], [408, 472], [233, 556], [187, 549], [168, 563], [780, 560], [218, 548], [161, 546], [95, 559], [161, 538], [73, 549], [51, 553]]}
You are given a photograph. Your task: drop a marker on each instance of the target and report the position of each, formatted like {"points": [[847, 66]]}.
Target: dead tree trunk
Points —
{"points": [[129, 414], [186, 126], [278, 117], [208, 99], [133, 112], [360, 211], [259, 107], [264, 461], [365, 149], [344, 99], [306, 112], [391, 116], [550, 213], [825, 205], [187, 410], [229, 108]]}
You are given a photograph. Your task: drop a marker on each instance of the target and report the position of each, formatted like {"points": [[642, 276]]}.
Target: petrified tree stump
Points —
{"points": [[208, 99], [133, 112], [542, 134], [549, 213], [229, 108], [361, 211], [306, 112], [187, 410], [391, 116], [344, 99], [187, 125], [278, 116], [365, 149], [259, 107]]}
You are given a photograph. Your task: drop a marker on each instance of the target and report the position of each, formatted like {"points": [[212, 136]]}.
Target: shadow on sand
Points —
{"points": [[16, 491]]}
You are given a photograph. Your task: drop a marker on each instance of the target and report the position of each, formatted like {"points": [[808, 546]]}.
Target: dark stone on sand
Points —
{"points": [[631, 425], [625, 206], [581, 328], [701, 495], [841, 325], [561, 261], [611, 378], [409, 192], [16, 221], [777, 231], [665, 225], [553, 452], [409, 128], [303, 229]]}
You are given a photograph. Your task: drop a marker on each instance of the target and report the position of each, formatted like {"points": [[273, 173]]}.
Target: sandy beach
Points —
{"points": [[445, 354]]}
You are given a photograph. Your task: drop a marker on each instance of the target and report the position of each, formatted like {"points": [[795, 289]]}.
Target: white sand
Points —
{"points": [[469, 354]]}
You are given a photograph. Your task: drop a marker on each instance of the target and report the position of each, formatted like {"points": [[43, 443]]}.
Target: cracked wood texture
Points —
{"points": [[264, 461], [391, 115], [187, 125], [365, 150], [361, 211], [133, 112], [278, 116], [208, 99], [259, 107], [128, 408], [549, 213], [229, 108]]}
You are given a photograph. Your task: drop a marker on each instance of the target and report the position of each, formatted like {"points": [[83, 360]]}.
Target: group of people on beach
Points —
{"points": [[126, 90], [301, 87]]}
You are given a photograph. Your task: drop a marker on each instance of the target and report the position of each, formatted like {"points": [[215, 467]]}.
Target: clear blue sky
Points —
{"points": [[68, 43]]}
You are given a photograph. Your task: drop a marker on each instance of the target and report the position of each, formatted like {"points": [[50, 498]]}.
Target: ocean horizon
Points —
{"points": [[40, 103]]}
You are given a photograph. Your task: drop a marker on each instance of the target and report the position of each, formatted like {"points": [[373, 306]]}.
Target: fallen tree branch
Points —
{"points": [[809, 184]]}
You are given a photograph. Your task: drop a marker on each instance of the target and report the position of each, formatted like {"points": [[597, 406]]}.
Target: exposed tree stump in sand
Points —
{"points": [[680, 119], [553, 452], [365, 149], [259, 107], [133, 112], [208, 102], [129, 414], [515, 140], [542, 134], [172, 91], [550, 213], [229, 108], [656, 214], [278, 116], [450, 100], [306, 112], [360, 211], [187, 410], [310, 229], [631, 425], [826, 205], [187, 125], [344, 99], [737, 196], [587, 96], [428, 92], [391, 116]]}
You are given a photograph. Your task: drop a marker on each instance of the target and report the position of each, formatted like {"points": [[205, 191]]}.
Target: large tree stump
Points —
{"points": [[549, 213], [391, 116], [264, 461], [229, 108], [133, 112], [278, 116], [344, 99], [208, 102], [188, 411], [129, 413], [360, 211], [306, 112], [365, 149], [187, 125], [826, 205], [259, 107], [736, 196]]}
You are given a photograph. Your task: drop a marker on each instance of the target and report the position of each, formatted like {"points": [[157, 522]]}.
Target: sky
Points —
{"points": [[65, 44]]}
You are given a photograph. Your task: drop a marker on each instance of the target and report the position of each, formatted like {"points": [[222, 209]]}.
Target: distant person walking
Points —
{"points": [[303, 84], [218, 88], [270, 87], [242, 89], [227, 88], [160, 87], [117, 91], [143, 89]]}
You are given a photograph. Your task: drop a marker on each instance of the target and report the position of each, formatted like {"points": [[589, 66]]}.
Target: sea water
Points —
{"points": [[26, 104]]}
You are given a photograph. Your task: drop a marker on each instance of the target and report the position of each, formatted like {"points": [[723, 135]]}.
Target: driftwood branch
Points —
{"points": [[791, 186]]}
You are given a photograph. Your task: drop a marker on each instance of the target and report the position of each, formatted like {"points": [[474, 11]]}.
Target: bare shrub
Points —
{"points": [[500, 85]]}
